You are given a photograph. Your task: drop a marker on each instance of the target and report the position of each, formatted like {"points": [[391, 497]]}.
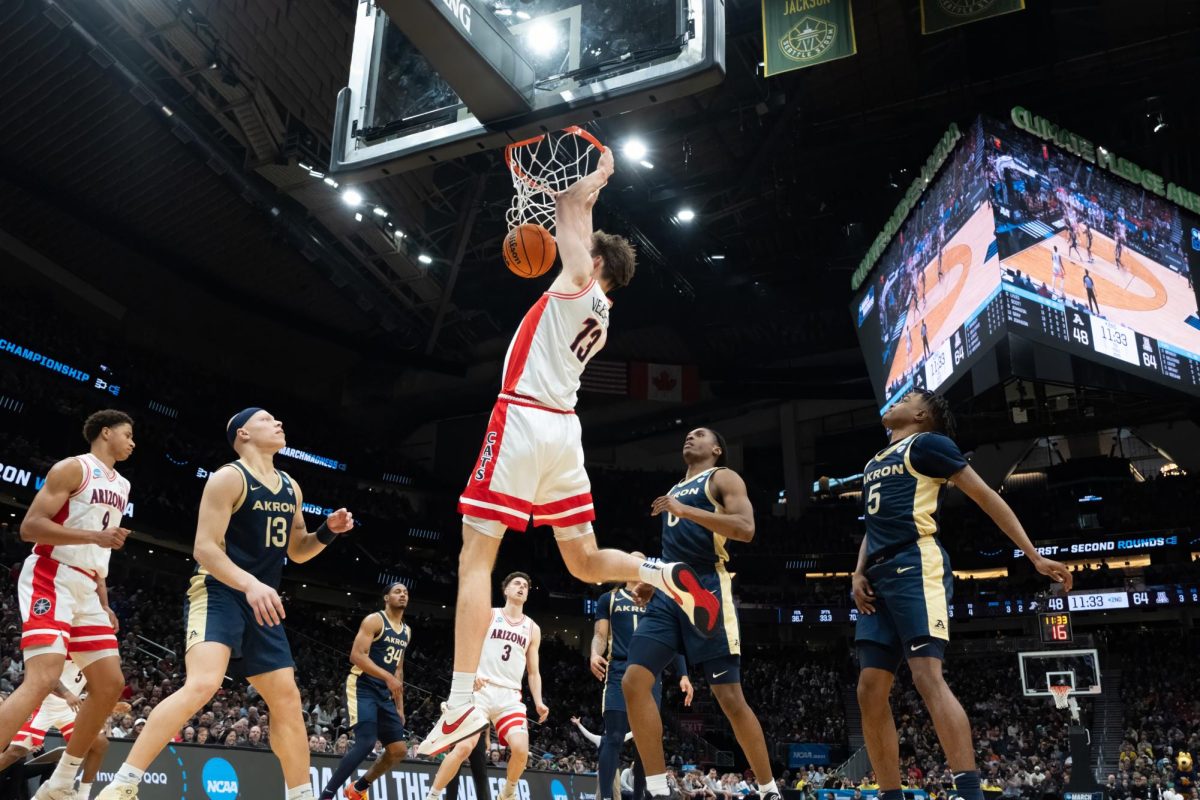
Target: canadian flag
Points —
{"points": [[666, 383]]}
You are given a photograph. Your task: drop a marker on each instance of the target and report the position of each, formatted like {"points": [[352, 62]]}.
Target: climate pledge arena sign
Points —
{"points": [[195, 772]]}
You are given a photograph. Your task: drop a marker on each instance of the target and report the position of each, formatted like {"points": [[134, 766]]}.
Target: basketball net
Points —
{"points": [[1062, 699], [543, 166]]}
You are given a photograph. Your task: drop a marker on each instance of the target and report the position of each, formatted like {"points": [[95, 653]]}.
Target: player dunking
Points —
{"points": [[618, 614], [375, 695], [707, 508], [903, 583], [74, 524], [250, 522], [531, 461], [58, 711], [510, 649]]}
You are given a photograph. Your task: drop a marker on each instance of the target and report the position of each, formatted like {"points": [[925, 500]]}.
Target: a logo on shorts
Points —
{"points": [[193, 635], [965, 8], [940, 625], [808, 39], [487, 456], [41, 606]]}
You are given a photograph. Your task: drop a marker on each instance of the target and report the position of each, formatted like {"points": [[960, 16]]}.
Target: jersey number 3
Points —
{"points": [[591, 332], [276, 532]]}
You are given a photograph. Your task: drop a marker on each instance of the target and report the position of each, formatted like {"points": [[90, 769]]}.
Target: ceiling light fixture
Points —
{"points": [[352, 198], [425, 259], [635, 148], [685, 215]]}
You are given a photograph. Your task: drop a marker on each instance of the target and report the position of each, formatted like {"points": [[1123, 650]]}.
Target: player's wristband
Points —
{"points": [[324, 535]]}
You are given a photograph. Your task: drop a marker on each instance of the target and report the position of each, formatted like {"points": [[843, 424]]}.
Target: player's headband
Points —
{"points": [[239, 420]]}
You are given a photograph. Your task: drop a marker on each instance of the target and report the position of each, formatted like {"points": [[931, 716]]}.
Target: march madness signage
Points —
{"points": [[804, 33], [205, 772]]}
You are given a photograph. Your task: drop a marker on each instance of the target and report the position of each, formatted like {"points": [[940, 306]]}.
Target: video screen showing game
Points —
{"points": [[932, 304], [1092, 263]]}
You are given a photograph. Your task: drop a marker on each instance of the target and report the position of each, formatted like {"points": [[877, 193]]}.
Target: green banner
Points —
{"points": [[940, 15], [801, 33]]}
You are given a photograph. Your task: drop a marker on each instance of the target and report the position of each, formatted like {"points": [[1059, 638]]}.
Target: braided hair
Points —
{"points": [[939, 410]]}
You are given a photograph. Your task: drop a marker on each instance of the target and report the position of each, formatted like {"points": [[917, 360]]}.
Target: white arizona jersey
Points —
{"points": [[503, 659], [555, 341], [98, 503], [75, 681]]}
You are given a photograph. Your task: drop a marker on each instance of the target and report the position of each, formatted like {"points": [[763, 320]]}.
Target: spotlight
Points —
{"points": [[351, 197], [425, 259], [358, 216], [635, 148], [380, 211], [685, 215], [331, 182], [302, 165], [543, 37], [717, 257], [646, 164]]}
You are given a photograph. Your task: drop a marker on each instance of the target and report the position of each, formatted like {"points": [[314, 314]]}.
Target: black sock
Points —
{"points": [[891, 794], [361, 784]]}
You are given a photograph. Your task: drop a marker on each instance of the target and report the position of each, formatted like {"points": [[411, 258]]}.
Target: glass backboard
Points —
{"points": [[1041, 669], [432, 80]]}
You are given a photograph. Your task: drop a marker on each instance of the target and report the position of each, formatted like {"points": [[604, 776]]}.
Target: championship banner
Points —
{"points": [[803, 33], [941, 15]]}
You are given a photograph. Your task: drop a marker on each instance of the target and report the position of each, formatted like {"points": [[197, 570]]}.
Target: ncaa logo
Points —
{"points": [[558, 791], [219, 780], [96, 473], [41, 606]]}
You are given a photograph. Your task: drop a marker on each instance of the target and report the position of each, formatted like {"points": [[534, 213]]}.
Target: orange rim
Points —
{"points": [[515, 168]]}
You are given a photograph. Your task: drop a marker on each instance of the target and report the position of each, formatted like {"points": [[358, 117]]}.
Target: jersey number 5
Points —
{"points": [[591, 331], [276, 532], [873, 499]]}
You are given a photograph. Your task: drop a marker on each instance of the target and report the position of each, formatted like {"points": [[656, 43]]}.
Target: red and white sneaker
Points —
{"points": [[684, 587], [452, 727], [354, 794]]}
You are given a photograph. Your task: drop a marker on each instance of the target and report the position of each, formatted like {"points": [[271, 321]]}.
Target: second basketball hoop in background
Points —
{"points": [[529, 250]]}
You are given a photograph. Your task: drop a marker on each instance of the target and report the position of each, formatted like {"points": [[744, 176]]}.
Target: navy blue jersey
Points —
{"points": [[257, 537], [387, 649], [623, 615], [902, 489], [687, 541]]}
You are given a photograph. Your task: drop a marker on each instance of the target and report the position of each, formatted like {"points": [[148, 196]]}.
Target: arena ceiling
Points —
{"points": [[791, 176]]}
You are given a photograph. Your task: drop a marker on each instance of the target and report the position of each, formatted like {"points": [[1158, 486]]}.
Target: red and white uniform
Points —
{"points": [[60, 607], [53, 712], [531, 461], [502, 663]]}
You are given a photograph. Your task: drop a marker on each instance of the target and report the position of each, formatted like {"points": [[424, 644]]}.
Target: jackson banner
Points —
{"points": [[940, 15], [803, 33], [207, 772]]}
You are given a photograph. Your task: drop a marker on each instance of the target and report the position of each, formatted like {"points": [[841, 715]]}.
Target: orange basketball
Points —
{"points": [[529, 250]]}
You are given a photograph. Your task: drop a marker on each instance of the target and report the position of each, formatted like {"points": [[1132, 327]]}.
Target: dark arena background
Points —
{"points": [[207, 205]]}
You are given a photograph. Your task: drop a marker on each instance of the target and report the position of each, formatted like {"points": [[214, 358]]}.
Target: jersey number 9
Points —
{"points": [[277, 528]]}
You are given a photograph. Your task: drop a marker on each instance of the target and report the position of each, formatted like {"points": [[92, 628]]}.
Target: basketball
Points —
{"points": [[529, 250]]}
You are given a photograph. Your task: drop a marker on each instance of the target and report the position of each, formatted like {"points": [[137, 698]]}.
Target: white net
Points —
{"points": [[544, 165], [1061, 695]]}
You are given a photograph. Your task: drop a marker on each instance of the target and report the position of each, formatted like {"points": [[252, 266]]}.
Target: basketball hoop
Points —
{"points": [[1061, 695], [544, 165]]}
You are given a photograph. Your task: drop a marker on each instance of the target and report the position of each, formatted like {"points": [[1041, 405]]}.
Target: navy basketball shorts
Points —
{"points": [[369, 702], [912, 589], [720, 655], [216, 613], [614, 698]]}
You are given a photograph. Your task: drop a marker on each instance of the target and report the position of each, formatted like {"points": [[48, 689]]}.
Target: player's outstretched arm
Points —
{"points": [[39, 527], [533, 667], [573, 224], [736, 520], [221, 493], [304, 544], [594, 738], [994, 506]]}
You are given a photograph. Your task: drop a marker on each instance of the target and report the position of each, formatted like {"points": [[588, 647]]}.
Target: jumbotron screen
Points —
{"points": [[1092, 263], [932, 304], [1016, 236]]}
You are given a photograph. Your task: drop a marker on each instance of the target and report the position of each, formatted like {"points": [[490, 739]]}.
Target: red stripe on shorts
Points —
{"points": [[93, 630], [109, 643], [566, 504]]}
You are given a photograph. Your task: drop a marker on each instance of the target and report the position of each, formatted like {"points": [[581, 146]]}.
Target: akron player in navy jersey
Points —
{"points": [[618, 613], [250, 522], [700, 514], [375, 695], [902, 584]]}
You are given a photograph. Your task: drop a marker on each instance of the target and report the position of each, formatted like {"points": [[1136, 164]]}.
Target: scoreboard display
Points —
{"points": [[1055, 628]]}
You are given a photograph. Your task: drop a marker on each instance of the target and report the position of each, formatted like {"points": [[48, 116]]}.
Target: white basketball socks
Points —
{"points": [[765, 789], [84, 791], [128, 774], [651, 572], [462, 687], [656, 785], [302, 792]]}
